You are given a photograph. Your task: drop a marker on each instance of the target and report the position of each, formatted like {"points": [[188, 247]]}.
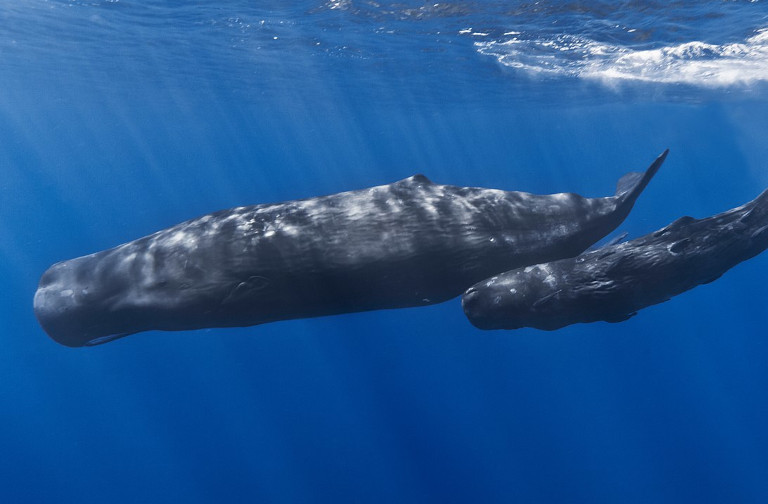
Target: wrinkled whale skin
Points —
{"points": [[409, 243], [612, 283]]}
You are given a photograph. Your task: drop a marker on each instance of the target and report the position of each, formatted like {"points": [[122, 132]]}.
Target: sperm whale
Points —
{"points": [[405, 244], [612, 283]]}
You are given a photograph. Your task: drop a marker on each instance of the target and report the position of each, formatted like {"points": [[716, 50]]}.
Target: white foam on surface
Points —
{"points": [[693, 63]]}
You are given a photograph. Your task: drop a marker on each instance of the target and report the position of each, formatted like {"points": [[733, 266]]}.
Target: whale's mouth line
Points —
{"points": [[106, 339]]}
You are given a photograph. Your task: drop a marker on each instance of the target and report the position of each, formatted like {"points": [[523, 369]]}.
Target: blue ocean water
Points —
{"points": [[120, 117]]}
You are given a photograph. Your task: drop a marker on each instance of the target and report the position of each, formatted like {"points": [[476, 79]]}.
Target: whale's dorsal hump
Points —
{"points": [[417, 179]]}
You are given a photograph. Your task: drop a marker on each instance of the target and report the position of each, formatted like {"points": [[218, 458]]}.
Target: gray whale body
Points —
{"points": [[409, 243], [612, 283]]}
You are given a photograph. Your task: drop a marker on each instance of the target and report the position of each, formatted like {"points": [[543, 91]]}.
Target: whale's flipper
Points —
{"points": [[632, 184], [620, 238]]}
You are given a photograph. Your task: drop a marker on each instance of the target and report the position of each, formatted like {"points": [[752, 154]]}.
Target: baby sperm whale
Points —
{"points": [[409, 243], [612, 283]]}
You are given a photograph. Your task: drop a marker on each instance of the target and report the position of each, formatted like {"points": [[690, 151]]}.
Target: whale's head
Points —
{"points": [[491, 305], [533, 296], [148, 284], [100, 297], [77, 310]]}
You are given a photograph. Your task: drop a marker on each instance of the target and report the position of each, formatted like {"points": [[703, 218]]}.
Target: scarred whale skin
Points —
{"points": [[614, 282], [409, 243]]}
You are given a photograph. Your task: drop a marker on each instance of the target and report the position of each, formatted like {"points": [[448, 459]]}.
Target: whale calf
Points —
{"points": [[612, 283], [409, 243]]}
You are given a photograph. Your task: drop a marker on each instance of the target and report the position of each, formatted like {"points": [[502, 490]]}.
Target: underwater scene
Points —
{"points": [[383, 251]]}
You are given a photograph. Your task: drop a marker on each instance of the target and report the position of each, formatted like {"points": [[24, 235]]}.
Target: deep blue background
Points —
{"points": [[118, 118]]}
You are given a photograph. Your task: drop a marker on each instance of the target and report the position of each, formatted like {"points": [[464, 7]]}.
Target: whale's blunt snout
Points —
{"points": [[59, 305], [53, 304], [78, 308], [477, 307], [469, 299]]}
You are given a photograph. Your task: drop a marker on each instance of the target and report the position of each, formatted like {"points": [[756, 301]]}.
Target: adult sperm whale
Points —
{"points": [[409, 243], [614, 282]]}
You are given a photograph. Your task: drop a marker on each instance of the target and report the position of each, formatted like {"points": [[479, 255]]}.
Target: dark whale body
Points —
{"points": [[409, 243], [613, 282]]}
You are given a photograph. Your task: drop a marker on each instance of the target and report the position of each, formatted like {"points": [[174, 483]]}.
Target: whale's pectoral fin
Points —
{"points": [[756, 213], [632, 184], [620, 238], [242, 290], [620, 318], [546, 302], [759, 233], [712, 279]]}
